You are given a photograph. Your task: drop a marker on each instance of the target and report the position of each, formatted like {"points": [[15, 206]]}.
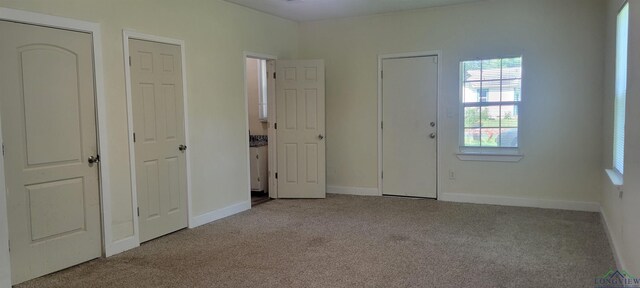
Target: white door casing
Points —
{"points": [[300, 93], [158, 121], [271, 100], [49, 132], [409, 132]]}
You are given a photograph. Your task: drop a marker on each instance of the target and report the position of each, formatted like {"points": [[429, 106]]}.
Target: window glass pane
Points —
{"points": [[509, 116], [490, 91], [490, 116], [491, 69], [262, 101], [509, 137], [489, 137], [471, 92], [472, 137], [512, 68], [511, 90], [487, 83], [471, 117], [471, 70]]}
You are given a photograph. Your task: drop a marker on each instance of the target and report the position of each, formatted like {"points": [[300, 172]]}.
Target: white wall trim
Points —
{"points": [[382, 57], [487, 157], [220, 213], [126, 35], [271, 104], [360, 191], [521, 202], [616, 253], [95, 31]]}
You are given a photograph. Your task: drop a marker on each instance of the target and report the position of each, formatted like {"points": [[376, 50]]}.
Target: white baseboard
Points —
{"points": [[612, 243], [520, 202], [360, 191], [220, 213], [121, 246]]}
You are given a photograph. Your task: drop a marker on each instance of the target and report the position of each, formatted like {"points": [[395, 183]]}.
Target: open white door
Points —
{"points": [[159, 137], [300, 128]]}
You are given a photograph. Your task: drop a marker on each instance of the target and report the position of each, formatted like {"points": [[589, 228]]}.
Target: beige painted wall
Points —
{"points": [[256, 126], [562, 45], [216, 33], [622, 214]]}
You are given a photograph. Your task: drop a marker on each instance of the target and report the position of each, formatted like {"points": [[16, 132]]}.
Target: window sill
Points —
{"points": [[616, 178], [489, 157]]}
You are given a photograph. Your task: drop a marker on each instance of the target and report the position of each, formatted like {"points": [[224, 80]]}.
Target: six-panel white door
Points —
{"points": [[158, 120], [49, 130], [300, 93], [409, 113]]}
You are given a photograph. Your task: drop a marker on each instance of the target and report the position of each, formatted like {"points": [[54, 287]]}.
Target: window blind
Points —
{"points": [[622, 40]]}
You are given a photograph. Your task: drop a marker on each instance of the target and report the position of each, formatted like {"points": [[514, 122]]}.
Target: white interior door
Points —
{"points": [[49, 129], [300, 128], [409, 113], [158, 120]]}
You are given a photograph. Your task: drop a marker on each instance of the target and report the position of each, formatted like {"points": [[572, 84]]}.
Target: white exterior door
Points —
{"points": [[158, 120], [409, 113], [49, 129], [300, 128]]}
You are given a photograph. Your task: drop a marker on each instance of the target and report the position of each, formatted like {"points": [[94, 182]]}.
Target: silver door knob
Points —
{"points": [[182, 147], [320, 137], [432, 135], [93, 159]]}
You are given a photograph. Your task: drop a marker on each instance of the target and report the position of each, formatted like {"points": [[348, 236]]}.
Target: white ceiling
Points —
{"points": [[309, 10]]}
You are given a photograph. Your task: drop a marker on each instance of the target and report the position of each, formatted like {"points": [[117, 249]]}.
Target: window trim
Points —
{"points": [[492, 154]]}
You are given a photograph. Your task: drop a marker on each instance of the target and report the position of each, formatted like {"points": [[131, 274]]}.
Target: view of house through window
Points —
{"points": [[491, 94]]}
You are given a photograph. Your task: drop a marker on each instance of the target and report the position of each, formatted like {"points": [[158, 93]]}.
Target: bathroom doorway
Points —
{"points": [[260, 89]]}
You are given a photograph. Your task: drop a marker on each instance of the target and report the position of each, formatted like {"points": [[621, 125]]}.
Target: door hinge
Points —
{"points": [[382, 174], [276, 175], [381, 125], [275, 125], [257, 156], [381, 74], [134, 137], [2, 149], [274, 75], [9, 245], [138, 211], [258, 179], [129, 60]]}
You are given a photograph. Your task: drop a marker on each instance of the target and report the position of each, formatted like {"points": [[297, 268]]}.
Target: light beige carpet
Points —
{"points": [[350, 241]]}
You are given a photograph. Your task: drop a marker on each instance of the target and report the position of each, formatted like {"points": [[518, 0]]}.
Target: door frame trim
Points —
{"points": [[271, 116], [94, 29], [128, 34], [381, 57]]}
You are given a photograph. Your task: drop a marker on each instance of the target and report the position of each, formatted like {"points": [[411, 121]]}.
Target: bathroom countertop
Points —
{"points": [[258, 140]]}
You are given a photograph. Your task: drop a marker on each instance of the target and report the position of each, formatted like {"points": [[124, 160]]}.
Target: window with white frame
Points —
{"points": [[262, 88], [491, 94], [622, 41]]}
